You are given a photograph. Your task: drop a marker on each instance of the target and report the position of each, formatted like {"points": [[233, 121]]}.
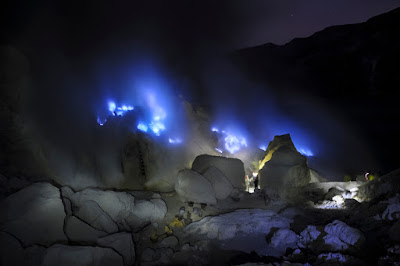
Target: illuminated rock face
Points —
{"points": [[246, 230], [233, 169], [192, 186], [283, 166], [222, 186], [35, 215]]}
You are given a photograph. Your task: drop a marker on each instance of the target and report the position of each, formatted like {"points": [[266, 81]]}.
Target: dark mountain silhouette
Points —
{"points": [[354, 68]]}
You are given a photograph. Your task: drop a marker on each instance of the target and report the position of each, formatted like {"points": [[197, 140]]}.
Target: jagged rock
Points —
{"points": [[222, 186], [392, 211], [280, 241], [340, 236], [283, 166], [233, 169], [169, 242], [146, 212], [121, 243], [91, 213], [385, 186], [78, 231], [81, 255], [192, 186], [308, 235], [243, 230], [35, 215]]}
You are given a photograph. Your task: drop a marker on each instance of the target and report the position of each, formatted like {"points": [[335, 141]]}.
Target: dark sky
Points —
{"points": [[84, 51], [233, 24]]}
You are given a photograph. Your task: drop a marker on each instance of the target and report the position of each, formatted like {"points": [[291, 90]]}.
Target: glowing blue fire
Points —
{"points": [[233, 143], [156, 127], [142, 127], [218, 150], [262, 147], [120, 110], [175, 141], [101, 122], [306, 152]]}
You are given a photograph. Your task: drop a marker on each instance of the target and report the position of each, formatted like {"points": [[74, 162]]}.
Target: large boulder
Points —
{"points": [[221, 184], [81, 256], [244, 230], [121, 207], [232, 168], [35, 215], [91, 213], [283, 167], [192, 186], [78, 231], [335, 236]]}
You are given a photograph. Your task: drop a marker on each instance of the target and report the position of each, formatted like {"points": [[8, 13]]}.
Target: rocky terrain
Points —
{"points": [[120, 197], [209, 218]]}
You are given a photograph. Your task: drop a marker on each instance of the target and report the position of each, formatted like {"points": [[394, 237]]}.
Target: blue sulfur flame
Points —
{"points": [[101, 122], [142, 127], [262, 147], [234, 144], [306, 152], [218, 150], [175, 141]]}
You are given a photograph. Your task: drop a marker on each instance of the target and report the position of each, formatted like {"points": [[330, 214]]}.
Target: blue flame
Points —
{"points": [[306, 152], [262, 147], [142, 127], [218, 150], [214, 129], [175, 140], [234, 144], [111, 107], [101, 122]]}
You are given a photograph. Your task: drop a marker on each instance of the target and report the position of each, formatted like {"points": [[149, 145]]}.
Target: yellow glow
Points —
{"points": [[268, 157], [176, 223]]}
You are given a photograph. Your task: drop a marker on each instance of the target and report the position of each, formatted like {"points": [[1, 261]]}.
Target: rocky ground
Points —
{"points": [[45, 224]]}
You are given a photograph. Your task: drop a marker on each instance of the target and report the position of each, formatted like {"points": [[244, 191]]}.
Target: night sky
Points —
{"points": [[85, 51]]}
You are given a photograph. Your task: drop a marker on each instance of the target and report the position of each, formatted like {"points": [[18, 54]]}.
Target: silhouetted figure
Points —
{"points": [[255, 178]]}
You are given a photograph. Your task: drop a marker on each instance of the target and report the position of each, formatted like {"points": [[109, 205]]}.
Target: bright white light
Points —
{"points": [[306, 152], [175, 141], [263, 148], [124, 108], [218, 150], [101, 123], [142, 127], [233, 144], [156, 127], [111, 107], [157, 118], [214, 129]]}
